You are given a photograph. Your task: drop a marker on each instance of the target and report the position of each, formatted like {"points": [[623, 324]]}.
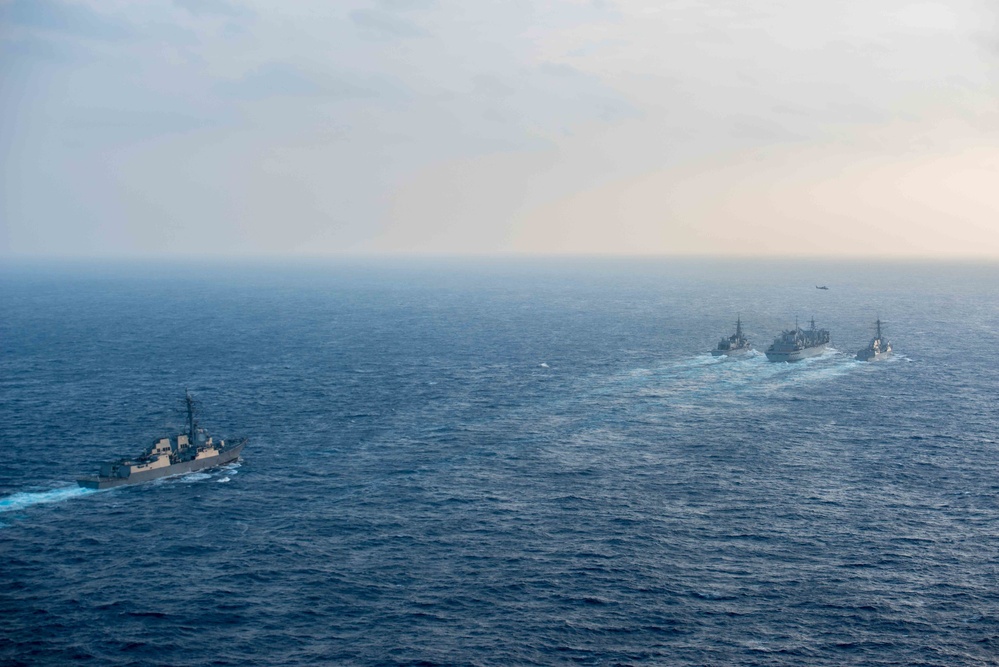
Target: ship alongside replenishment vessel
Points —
{"points": [[188, 452], [798, 343], [737, 343], [878, 348]]}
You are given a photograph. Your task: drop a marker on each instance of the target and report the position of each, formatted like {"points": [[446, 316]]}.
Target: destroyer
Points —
{"points": [[188, 452], [878, 348], [798, 344], [734, 344]]}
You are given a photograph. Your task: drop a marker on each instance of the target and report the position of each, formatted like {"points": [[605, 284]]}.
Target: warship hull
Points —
{"points": [[871, 355], [796, 355], [181, 468], [725, 353]]}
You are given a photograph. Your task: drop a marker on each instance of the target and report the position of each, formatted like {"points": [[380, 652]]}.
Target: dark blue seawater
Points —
{"points": [[501, 463]]}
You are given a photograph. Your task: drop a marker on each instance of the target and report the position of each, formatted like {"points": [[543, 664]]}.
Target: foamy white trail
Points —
{"points": [[748, 372], [24, 499]]}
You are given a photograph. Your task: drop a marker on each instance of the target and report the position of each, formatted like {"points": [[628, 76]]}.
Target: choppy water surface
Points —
{"points": [[502, 463]]}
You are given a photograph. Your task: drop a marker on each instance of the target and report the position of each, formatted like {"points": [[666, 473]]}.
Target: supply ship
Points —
{"points": [[734, 344], [188, 452], [878, 348], [798, 344]]}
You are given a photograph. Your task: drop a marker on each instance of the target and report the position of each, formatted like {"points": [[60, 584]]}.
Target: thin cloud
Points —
{"points": [[211, 8], [383, 24], [286, 80], [272, 80], [561, 126], [60, 17], [406, 5]]}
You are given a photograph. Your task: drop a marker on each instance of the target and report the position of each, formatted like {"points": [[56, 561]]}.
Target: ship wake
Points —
{"points": [[25, 499], [706, 378]]}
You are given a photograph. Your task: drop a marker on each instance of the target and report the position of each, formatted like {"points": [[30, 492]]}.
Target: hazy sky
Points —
{"points": [[243, 127]]}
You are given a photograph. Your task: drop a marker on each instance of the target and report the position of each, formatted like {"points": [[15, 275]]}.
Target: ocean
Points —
{"points": [[501, 462]]}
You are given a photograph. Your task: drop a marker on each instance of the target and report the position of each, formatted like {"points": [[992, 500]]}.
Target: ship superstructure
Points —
{"points": [[187, 452], [798, 343], [737, 343], [878, 348]]}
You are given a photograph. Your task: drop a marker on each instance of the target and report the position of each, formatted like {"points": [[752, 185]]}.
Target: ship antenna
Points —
{"points": [[879, 326], [738, 325], [813, 322], [190, 415]]}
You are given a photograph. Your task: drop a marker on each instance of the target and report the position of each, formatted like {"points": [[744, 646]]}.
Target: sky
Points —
{"points": [[222, 128]]}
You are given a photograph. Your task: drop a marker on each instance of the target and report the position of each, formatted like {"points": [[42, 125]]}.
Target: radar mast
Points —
{"points": [[191, 424]]}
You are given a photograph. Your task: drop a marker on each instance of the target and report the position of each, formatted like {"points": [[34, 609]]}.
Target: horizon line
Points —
{"points": [[497, 255]]}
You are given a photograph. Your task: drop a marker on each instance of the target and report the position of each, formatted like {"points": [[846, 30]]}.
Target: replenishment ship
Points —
{"points": [[734, 344], [188, 452], [798, 344], [878, 348]]}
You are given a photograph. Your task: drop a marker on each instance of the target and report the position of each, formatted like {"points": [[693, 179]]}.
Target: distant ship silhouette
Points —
{"points": [[821, 287]]}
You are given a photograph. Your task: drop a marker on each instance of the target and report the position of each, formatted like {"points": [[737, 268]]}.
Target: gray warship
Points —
{"points": [[734, 344], [188, 452], [798, 343], [878, 348]]}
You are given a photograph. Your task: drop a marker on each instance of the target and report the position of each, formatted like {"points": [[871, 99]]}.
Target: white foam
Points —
{"points": [[223, 480], [819, 368], [25, 499], [751, 372], [706, 359], [195, 477]]}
